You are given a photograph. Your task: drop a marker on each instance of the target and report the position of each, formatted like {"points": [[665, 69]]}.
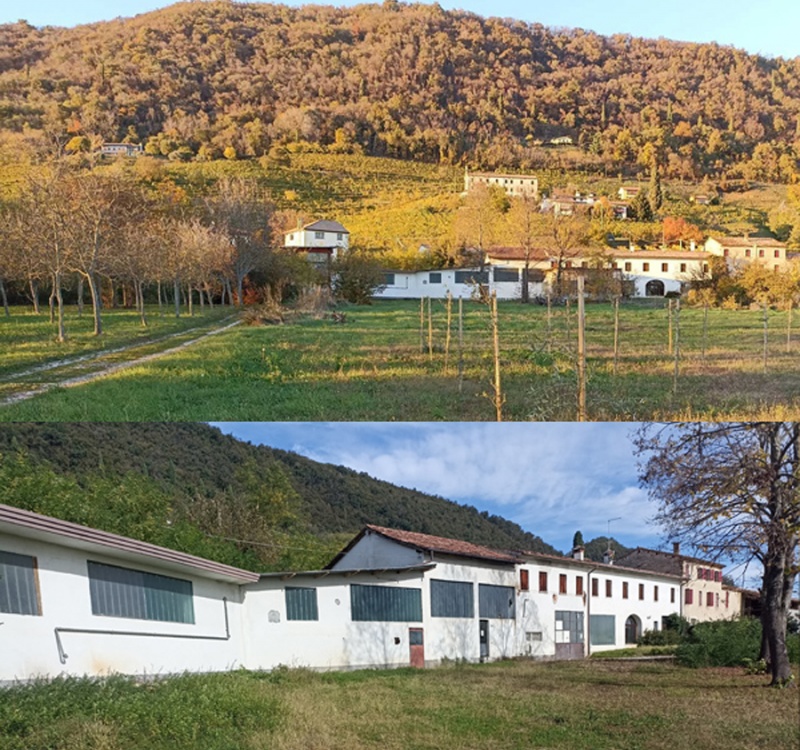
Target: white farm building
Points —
{"points": [[78, 601]]}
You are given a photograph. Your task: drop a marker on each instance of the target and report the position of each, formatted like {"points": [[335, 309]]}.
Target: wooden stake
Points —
{"points": [[789, 327], [705, 331], [581, 354], [430, 331], [669, 324], [447, 334], [616, 333], [421, 325], [498, 393], [549, 318], [460, 344], [677, 347], [764, 308]]}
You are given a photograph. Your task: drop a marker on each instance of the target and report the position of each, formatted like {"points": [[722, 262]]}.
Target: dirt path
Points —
{"points": [[105, 371]]}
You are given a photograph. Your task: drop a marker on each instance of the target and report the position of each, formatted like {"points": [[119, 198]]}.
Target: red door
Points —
{"points": [[416, 645]]}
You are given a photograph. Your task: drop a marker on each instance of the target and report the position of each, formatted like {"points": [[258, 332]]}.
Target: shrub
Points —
{"points": [[356, 277], [726, 643]]}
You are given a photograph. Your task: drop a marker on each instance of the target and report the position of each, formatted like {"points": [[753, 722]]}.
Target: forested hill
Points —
{"points": [[190, 487], [203, 80]]}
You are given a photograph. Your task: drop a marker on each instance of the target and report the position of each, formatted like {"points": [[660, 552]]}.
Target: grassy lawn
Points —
{"points": [[372, 368], [505, 705], [30, 355]]}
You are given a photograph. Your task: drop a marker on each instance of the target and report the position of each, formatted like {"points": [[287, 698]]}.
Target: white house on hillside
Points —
{"points": [[514, 185], [322, 240]]}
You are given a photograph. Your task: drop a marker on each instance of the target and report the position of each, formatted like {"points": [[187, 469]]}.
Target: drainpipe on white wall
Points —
{"points": [[588, 628]]}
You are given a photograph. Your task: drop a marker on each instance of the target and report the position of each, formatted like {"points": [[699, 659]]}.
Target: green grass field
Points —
{"points": [[508, 705], [373, 367]]}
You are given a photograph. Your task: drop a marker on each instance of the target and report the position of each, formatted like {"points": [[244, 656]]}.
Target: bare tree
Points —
{"points": [[732, 491], [241, 210], [525, 224]]}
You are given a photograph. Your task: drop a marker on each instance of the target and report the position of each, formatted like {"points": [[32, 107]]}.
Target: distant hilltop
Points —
{"points": [[230, 80]]}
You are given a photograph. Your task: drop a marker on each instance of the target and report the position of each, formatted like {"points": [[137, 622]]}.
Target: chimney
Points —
{"points": [[577, 553], [676, 548], [608, 556], [692, 245]]}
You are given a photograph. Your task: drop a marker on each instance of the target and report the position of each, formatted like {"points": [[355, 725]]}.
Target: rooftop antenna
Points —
{"points": [[608, 537]]}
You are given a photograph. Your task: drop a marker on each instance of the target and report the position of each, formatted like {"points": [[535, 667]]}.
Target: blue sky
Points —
{"points": [[768, 27], [551, 478]]}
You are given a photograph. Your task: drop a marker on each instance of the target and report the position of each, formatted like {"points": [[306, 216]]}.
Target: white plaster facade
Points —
{"points": [[438, 283], [739, 251], [514, 185], [64, 637], [328, 237]]}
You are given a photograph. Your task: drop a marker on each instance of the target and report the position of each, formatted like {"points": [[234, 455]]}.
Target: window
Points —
{"points": [[747, 253], [760, 253], [672, 595], [122, 592], [496, 601], [319, 235], [718, 576], [628, 265], [595, 587], [569, 627], [542, 581], [645, 266], [579, 585], [641, 591], [524, 582], [655, 593], [385, 603], [472, 277], [683, 268], [435, 277], [705, 267], [726, 252], [608, 587], [562, 584], [777, 253], [727, 599], [452, 599], [506, 274], [688, 596], [301, 603], [388, 279], [601, 630], [568, 264], [534, 635], [339, 236], [19, 592], [624, 589], [709, 598], [665, 267]]}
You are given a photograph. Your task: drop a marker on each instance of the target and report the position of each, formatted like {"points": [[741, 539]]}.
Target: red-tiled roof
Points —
{"points": [[748, 242], [537, 253], [661, 562], [72, 534], [430, 543]]}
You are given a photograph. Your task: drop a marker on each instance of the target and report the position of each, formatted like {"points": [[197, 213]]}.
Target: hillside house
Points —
{"points": [[739, 251], [321, 241], [121, 149], [628, 192], [513, 185]]}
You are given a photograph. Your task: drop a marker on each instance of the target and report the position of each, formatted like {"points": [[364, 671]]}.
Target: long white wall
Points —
{"points": [[29, 644], [417, 284]]}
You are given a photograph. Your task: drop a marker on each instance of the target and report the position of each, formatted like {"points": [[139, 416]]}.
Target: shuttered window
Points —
{"points": [[121, 592], [18, 594], [301, 603], [601, 630], [385, 603], [452, 599], [497, 602], [472, 277], [506, 274]]}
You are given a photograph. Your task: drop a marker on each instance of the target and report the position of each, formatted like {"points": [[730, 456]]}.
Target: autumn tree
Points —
{"points": [[239, 209], [732, 491], [524, 222]]}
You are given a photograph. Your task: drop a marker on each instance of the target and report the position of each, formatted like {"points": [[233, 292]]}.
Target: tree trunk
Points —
{"points": [[142, 314], [498, 393], [34, 287], [240, 290], [526, 292], [52, 303], [96, 307], [62, 336], [777, 593], [202, 301], [176, 289], [80, 296], [189, 299], [160, 301], [5, 299]]}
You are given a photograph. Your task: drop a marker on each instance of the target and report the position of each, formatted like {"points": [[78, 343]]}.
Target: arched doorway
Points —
{"points": [[654, 288], [633, 629]]}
